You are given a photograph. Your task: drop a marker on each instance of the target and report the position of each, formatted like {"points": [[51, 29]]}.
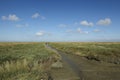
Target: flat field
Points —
{"points": [[92, 60], [59, 61], [25, 61], [99, 51]]}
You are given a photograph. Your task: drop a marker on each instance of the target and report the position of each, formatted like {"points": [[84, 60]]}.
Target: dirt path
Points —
{"points": [[67, 60], [86, 69]]}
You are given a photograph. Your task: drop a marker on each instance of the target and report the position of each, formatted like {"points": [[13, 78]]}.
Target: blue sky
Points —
{"points": [[59, 20]]}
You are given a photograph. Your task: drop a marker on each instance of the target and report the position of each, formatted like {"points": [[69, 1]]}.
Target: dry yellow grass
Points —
{"points": [[25, 61]]}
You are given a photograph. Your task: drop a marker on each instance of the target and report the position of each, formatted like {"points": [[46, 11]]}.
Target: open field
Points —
{"points": [[99, 51], [59, 40], [25, 61], [59, 61], [93, 61]]}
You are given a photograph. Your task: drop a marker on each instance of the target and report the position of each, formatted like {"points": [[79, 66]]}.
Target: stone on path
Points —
{"points": [[57, 64]]}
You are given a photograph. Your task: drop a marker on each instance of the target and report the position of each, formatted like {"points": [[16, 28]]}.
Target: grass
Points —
{"points": [[25, 61], [32, 61], [99, 51]]}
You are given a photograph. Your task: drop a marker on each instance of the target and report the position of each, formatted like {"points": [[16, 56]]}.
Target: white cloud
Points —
{"points": [[104, 22], [62, 25], [77, 31], [13, 18], [41, 33], [22, 25], [86, 23], [81, 31], [37, 15], [10, 17]]}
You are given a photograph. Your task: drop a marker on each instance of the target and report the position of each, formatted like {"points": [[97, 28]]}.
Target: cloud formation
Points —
{"points": [[104, 22], [81, 31], [37, 15], [10, 17], [77, 31], [86, 23], [41, 33]]}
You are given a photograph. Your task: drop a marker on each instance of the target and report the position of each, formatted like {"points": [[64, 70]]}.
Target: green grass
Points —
{"points": [[25, 61], [108, 52], [32, 61]]}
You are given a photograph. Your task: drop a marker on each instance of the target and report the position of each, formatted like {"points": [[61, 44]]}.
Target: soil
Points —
{"points": [[80, 68], [96, 70]]}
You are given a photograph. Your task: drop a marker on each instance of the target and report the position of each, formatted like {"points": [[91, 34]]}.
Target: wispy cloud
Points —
{"points": [[86, 23], [11, 17], [81, 31], [37, 15], [104, 22], [22, 25], [78, 30], [41, 33]]}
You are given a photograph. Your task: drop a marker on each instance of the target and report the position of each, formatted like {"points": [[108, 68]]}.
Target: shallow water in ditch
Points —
{"points": [[89, 70], [74, 67]]}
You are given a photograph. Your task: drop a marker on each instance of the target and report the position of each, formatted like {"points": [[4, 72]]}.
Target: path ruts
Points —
{"points": [[71, 63]]}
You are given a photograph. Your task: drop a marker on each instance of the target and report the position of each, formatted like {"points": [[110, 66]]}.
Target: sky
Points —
{"points": [[59, 20]]}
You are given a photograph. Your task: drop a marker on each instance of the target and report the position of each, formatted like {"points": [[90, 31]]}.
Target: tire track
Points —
{"points": [[71, 63]]}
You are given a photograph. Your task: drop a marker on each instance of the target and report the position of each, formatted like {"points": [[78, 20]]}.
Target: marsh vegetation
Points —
{"points": [[21, 61], [36, 61], [99, 51]]}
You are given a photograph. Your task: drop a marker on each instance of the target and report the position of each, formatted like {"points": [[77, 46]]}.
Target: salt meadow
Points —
{"points": [[33, 60], [25, 61], [59, 40]]}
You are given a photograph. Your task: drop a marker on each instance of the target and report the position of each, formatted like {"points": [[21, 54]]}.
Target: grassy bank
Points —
{"points": [[99, 51], [25, 61]]}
